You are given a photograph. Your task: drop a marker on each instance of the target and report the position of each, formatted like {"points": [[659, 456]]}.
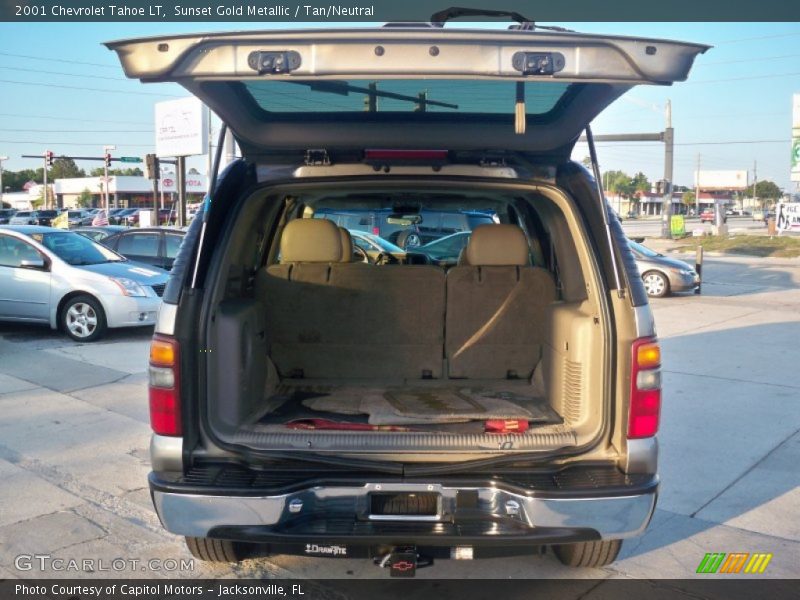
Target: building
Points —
{"points": [[125, 191]]}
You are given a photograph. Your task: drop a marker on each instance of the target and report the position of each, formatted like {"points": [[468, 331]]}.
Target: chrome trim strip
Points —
{"points": [[642, 456], [196, 515], [645, 321], [165, 322], [166, 453]]}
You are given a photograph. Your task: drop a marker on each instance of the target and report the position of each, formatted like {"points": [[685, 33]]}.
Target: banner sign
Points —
{"points": [[787, 216]]}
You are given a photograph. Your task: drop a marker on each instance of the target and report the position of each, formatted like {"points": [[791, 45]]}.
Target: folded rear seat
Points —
{"points": [[338, 320], [496, 307]]}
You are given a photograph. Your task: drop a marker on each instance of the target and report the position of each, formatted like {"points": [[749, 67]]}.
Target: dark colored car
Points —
{"points": [[89, 216], [157, 246], [45, 217], [99, 232], [6, 214], [115, 215]]}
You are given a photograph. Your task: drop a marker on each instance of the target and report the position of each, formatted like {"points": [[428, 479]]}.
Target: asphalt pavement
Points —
{"points": [[74, 433]]}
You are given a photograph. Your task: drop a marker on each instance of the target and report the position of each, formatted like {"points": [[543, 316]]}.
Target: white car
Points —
{"points": [[72, 283]]}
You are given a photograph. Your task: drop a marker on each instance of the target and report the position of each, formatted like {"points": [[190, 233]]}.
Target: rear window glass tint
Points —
{"points": [[404, 95], [139, 244]]}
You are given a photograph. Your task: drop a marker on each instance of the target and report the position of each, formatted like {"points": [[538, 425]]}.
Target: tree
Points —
{"points": [[14, 180], [619, 183], [65, 168], [100, 172], [688, 197], [85, 199], [640, 183], [768, 190]]}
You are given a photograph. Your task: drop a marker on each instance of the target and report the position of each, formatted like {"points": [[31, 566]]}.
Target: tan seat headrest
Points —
{"points": [[311, 241], [347, 245], [497, 245]]}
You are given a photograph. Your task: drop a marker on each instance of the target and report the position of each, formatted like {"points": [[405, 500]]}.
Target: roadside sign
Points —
{"points": [[130, 159], [677, 226]]}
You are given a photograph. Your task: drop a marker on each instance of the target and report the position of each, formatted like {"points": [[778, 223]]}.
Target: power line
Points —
{"points": [[743, 78], [761, 37], [49, 143], [79, 130], [61, 60], [59, 118], [61, 73], [85, 89], [745, 60]]}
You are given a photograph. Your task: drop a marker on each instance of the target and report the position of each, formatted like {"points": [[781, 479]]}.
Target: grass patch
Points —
{"points": [[751, 245]]}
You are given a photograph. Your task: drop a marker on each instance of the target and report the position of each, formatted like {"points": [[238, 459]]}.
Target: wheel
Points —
{"points": [[408, 239], [219, 551], [83, 319], [588, 554], [655, 284]]}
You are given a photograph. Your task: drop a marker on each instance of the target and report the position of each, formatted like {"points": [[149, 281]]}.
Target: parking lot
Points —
{"points": [[74, 432]]}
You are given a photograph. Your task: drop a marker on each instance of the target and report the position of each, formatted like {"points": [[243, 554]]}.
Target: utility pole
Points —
{"points": [[755, 179], [45, 194], [180, 168], [106, 161], [697, 189], [666, 209]]}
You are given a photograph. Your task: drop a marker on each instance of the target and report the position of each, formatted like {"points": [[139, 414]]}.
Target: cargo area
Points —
{"points": [[496, 346]]}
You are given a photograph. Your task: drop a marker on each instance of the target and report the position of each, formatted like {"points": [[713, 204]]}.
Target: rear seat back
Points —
{"points": [[331, 319], [496, 307]]}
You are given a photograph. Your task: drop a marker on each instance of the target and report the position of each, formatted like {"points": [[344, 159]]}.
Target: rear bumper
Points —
{"points": [[490, 513]]}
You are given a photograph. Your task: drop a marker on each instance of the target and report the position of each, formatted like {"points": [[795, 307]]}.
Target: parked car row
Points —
{"points": [[84, 216]]}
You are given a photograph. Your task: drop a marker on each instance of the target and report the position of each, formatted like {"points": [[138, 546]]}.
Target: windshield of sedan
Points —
{"points": [[383, 244], [75, 249], [643, 250]]}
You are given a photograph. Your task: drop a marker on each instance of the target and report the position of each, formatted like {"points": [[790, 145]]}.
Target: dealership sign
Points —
{"points": [[721, 180], [181, 128], [787, 216]]}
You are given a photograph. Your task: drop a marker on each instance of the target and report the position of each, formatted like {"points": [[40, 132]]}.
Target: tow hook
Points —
{"points": [[403, 562]]}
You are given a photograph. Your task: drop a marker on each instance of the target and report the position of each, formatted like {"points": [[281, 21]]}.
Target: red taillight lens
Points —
{"points": [[645, 400], [164, 386]]}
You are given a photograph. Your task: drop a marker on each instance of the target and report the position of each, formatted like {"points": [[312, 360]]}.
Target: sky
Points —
{"points": [[734, 111]]}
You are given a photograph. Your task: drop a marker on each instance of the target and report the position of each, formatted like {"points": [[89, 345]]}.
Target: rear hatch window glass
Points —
{"points": [[405, 95]]}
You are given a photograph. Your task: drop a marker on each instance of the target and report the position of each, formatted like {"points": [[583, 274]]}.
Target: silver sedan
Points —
{"points": [[661, 274], [68, 281]]}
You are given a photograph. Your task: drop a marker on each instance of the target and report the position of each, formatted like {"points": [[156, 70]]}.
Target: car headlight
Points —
{"points": [[128, 286], [687, 273]]}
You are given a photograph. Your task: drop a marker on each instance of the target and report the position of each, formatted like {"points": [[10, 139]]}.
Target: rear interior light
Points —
{"points": [[645, 399], [164, 386]]}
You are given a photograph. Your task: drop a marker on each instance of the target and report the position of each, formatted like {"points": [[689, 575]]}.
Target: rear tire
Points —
{"points": [[218, 551], [588, 554]]}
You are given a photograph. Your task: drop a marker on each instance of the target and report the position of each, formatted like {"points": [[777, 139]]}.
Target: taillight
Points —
{"points": [[164, 386], [645, 401]]}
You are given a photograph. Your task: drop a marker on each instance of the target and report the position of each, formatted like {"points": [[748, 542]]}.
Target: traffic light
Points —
{"points": [[108, 159], [151, 166], [48, 158]]}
